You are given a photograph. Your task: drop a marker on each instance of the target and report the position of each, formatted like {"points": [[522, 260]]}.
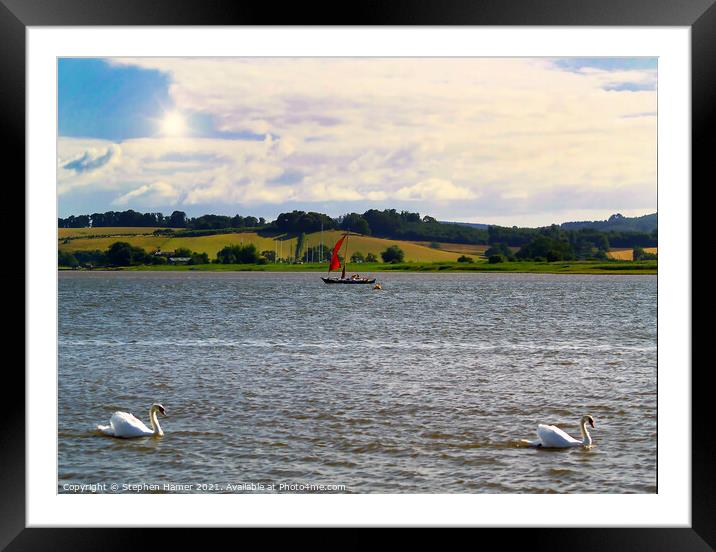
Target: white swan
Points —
{"points": [[552, 437], [125, 425]]}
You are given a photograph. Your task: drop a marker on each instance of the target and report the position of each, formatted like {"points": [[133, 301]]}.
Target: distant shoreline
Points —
{"points": [[527, 267]]}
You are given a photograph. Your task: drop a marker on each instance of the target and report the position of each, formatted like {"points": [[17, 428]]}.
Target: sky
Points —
{"points": [[510, 141]]}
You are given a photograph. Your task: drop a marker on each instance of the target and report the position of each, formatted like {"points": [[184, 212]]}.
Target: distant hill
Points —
{"points": [[469, 224], [618, 223]]}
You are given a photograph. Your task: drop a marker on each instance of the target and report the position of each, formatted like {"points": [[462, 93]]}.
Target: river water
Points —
{"points": [[426, 386]]}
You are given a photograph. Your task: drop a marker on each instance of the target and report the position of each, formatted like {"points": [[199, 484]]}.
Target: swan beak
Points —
{"points": [[591, 423]]}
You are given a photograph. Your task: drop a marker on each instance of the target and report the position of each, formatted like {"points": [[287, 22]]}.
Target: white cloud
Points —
{"points": [[434, 189], [155, 194], [478, 134]]}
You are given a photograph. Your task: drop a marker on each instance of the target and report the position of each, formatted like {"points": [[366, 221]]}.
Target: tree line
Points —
{"points": [[554, 243], [618, 222], [125, 254], [386, 223], [517, 237], [178, 219]]}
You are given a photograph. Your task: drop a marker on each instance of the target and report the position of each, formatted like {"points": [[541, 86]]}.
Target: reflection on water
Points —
{"points": [[425, 386]]}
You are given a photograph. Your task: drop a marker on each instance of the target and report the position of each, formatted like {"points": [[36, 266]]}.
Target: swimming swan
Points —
{"points": [[552, 437], [125, 425]]}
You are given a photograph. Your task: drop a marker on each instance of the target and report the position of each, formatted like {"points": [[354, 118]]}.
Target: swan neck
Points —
{"points": [[586, 437], [155, 422]]}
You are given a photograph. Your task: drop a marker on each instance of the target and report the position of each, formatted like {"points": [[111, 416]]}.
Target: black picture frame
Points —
{"points": [[699, 15]]}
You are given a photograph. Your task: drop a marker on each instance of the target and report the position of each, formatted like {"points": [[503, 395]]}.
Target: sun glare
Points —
{"points": [[173, 124]]}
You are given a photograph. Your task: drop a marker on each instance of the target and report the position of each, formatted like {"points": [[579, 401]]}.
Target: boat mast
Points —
{"points": [[345, 259]]}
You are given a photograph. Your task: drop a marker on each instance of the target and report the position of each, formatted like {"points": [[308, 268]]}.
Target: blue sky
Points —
{"points": [[609, 64], [97, 100], [614, 65], [523, 141], [101, 100]]}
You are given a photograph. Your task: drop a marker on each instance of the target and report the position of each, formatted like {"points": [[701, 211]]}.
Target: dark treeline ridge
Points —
{"points": [[618, 223], [177, 219], [388, 223], [554, 243], [405, 225], [517, 237]]}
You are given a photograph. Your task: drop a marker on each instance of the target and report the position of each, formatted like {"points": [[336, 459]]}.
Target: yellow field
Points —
{"points": [[211, 245], [621, 254], [103, 231], [285, 247], [461, 248], [367, 244], [627, 253], [148, 243]]}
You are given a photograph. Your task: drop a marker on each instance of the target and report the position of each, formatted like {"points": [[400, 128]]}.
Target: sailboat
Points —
{"points": [[336, 264]]}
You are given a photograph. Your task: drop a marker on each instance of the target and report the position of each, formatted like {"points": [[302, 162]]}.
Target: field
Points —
{"points": [[627, 253], [460, 248], [419, 256], [148, 243], [414, 252], [284, 246], [104, 231]]}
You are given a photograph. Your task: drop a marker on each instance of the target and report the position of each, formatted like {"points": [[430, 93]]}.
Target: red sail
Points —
{"points": [[335, 262]]}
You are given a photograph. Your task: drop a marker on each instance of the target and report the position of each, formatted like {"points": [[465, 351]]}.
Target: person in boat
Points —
{"points": [[355, 277]]}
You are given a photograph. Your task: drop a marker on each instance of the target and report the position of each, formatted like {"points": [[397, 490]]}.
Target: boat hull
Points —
{"points": [[346, 281]]}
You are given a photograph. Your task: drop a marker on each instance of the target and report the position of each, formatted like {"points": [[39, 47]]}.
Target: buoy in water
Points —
{"points": [[377, 286]]}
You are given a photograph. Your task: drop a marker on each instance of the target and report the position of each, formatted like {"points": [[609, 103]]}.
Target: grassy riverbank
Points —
{"points": [[559, 267]]}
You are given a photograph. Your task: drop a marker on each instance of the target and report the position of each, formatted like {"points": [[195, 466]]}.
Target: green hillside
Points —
{"points": [[284, 245]]}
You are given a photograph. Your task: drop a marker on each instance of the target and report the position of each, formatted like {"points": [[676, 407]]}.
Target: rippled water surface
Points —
{"points": [[425, 386]]}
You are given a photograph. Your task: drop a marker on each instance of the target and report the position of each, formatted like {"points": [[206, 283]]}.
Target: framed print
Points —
{"points": [[398, 270]]}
